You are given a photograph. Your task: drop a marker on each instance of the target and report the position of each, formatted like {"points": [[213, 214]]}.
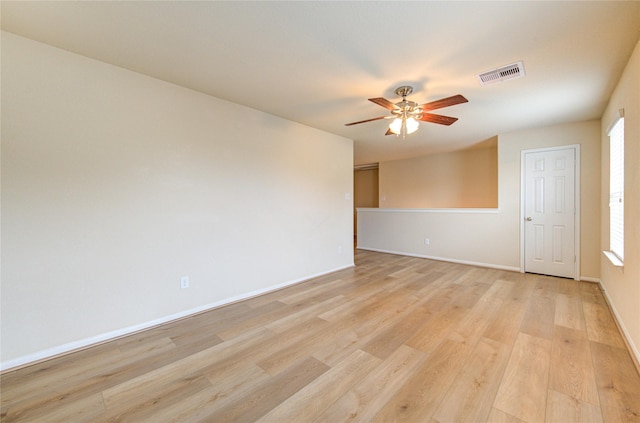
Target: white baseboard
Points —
{"points": [[467, 262], [50, 353], [589, 279], [632, 347]]}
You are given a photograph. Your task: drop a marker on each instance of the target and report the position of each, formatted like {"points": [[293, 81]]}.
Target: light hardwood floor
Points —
{"points": [[393, 339]]}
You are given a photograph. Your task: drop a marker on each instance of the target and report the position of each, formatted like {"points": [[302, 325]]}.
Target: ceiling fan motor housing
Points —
{"points": [[406, 108], [404, 90]]}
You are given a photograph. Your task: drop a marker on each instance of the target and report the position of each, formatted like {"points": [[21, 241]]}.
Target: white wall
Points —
{"points": [[114, 185], [469, 236], [491, 237], [622, 286]]}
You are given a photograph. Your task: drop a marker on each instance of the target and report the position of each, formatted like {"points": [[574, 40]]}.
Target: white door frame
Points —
{"points": [[576, 148]]}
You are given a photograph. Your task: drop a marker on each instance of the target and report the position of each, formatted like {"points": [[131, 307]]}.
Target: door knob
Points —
{"points": [[528, 219]]}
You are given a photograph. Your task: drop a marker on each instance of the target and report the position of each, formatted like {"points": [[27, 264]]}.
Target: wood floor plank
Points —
{"points": [[470, 399], [81, 408], [265, 314], [430, 335], [304, 346], [481, 275], [600, 324], [152, 405], [364, 298], [313, 294], [523, 391], [20, 386], [424, 281], [540, 315], [476, 321], [233, 376], [499, 416], [618, 383], [564, 409], [570, 287], [400, 303], [229, 381], [470, 294], [187, 410], [591, 293], [397, 304], [223, 389], [502, 289], [278, 350], [306, 405], [88, 409], [178, 370], [270, 394], [196, 340], [569, 312], [102, 375], [279, 294], [148, 386], [414, 281], [363, 401], [506, 325], [421, 394], [389, 339], [307, 313], [225, 316], [571, 367]]}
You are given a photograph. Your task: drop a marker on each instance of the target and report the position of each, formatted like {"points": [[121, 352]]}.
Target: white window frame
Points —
{"points": [[616, 191]]}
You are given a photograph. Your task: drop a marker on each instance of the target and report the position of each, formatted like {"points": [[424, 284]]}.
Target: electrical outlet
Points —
{"points": [[427, 241], [184, 282]]}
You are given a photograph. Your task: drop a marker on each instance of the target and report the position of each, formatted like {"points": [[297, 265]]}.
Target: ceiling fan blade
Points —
{"points": [[384, 103], [365, 121], [442, 120], [444, 102]]}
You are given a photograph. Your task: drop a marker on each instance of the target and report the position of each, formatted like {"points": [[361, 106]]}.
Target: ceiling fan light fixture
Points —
{"points": [[396, 126], [400, 126], [412, 125]]}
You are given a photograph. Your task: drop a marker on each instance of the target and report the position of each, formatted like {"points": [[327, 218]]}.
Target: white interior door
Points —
{"points": [[549, 208]]}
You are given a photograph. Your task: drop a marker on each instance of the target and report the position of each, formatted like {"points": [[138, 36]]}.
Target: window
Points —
{"points": [[616, 190]]}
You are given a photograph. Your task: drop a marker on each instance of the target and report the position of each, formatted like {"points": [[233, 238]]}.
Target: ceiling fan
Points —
{"points": [[406, 114]]}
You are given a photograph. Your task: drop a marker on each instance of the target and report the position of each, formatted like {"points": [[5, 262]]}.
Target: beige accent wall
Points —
{"points": [[492, 237], [115, 185], [365, 188], [622, 285], [365, 191], [460, 179]]}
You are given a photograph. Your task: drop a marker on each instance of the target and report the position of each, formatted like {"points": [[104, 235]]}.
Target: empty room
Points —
{"points": [[311, 211]]}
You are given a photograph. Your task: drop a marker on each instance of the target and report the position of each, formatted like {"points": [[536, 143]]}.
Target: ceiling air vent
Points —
{"points": [[513, 71]]}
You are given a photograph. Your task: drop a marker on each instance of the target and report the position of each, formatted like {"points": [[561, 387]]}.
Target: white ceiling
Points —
{"points": [[317, 62]]}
